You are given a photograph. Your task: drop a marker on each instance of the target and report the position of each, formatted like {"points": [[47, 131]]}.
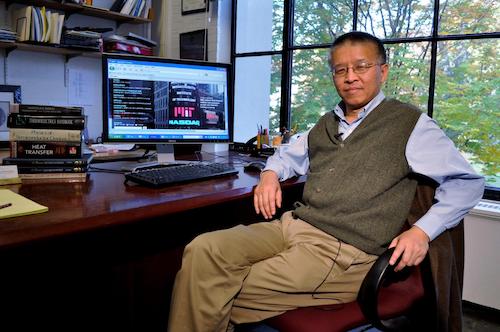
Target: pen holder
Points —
{"points": [[264, 139]]}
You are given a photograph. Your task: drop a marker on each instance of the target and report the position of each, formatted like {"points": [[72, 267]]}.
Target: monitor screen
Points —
{"points": [[156, 100]]}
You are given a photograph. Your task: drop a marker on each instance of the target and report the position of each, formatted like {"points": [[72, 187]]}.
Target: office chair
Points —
{"points": [[422, 298]]}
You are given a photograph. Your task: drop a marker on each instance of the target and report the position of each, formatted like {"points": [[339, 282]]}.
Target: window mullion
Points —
{"points": [[355, 15], [286, 70], [432, 71]]}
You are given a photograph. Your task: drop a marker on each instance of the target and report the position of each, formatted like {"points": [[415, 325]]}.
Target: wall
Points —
{"points": [[217, 21], [50, 79], [481, 271]]}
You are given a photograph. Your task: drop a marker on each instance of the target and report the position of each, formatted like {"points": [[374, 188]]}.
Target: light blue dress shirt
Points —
{"points": [[429, 152]]}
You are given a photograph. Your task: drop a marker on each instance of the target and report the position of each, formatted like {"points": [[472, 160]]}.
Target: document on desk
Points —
{"points": [[15, 205]]}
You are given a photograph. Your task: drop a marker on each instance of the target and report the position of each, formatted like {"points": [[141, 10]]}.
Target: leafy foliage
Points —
{"points": [[466, 100]]}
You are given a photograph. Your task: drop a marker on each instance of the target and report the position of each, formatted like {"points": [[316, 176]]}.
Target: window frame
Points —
{"points": [[286, 53]]}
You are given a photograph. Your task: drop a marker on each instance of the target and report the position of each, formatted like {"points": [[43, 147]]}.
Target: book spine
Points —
{"points": [[45, 176], [44, 162], [48, 110], [117, 5], [16, 120], [47, 135], [34, 169], [45, 150]]}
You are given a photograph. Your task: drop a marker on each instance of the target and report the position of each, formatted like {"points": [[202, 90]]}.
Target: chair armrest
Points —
{"points": [[380, 273]]}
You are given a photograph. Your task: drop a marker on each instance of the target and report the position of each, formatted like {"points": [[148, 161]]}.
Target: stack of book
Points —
{"points": [[7, 35], [46, 143], [132, 43], [81, 38]]}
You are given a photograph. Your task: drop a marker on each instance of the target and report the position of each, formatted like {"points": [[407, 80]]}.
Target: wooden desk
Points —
{"points": [[104, 257]]}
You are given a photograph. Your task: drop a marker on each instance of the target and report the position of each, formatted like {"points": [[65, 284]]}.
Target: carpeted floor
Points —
{"points": [[480, 319]]}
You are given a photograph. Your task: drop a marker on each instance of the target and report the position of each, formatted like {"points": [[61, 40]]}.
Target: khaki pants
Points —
{"points": [[249, 273]]}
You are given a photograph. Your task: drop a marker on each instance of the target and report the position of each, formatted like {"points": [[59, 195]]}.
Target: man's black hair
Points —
{"points": [[363, 37]]}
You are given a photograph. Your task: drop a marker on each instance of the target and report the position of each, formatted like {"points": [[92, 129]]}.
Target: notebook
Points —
{"points": [[15, 205]]}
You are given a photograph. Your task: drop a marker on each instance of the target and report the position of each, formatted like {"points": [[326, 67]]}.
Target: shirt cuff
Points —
{"points": [[275, 169], [430, 226]]}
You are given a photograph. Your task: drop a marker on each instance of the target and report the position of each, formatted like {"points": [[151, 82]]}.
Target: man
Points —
{"points": [[359, 160]]}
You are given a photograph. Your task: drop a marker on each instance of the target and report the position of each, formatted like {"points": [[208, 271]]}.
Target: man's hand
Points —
{"points": [[412, 244], [267, 194]]}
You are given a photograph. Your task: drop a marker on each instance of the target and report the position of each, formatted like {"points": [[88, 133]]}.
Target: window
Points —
{"points": [[409, 73], [466, 102], [443, 58], [318, 22], [257, 92], [312, 92]]}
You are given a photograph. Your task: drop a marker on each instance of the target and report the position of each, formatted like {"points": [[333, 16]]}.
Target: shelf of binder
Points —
{"points": [[37, 24], [46, 142], [39, 27], [72, 8]]}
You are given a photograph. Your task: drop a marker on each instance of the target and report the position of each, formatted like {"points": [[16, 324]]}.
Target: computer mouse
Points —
{"points": [[256, 165]]}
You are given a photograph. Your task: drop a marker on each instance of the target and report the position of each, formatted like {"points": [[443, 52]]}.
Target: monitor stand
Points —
{"points": [[214, 147], [165, 153], [165, 156]]}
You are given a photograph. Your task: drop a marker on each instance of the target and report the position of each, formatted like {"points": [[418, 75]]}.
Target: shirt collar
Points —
{"points": [[339, 109]]}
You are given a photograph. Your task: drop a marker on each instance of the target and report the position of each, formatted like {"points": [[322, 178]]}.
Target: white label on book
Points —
{"points": [[8, 172]]}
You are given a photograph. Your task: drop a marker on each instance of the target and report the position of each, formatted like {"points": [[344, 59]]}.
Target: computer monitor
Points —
{"points": [[152, 100]]}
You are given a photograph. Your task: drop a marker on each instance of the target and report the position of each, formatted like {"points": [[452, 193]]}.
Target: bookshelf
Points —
{"points": [[68, 9], [71, 8], [47, 48]]}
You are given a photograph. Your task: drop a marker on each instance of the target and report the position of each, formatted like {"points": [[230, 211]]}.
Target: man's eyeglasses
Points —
{"points": [[359, 68]]}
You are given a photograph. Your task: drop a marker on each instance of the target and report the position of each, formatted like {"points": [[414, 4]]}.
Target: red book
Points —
{"points": [[114, 46]]}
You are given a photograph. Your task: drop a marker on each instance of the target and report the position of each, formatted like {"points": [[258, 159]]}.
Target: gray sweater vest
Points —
{"points": [[359, 190]]}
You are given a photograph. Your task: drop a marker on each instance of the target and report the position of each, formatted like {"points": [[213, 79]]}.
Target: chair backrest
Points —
{"points": [[446, 261]]}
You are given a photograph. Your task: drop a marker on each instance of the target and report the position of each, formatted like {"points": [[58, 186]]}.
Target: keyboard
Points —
{"points": [[165, 175]]}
